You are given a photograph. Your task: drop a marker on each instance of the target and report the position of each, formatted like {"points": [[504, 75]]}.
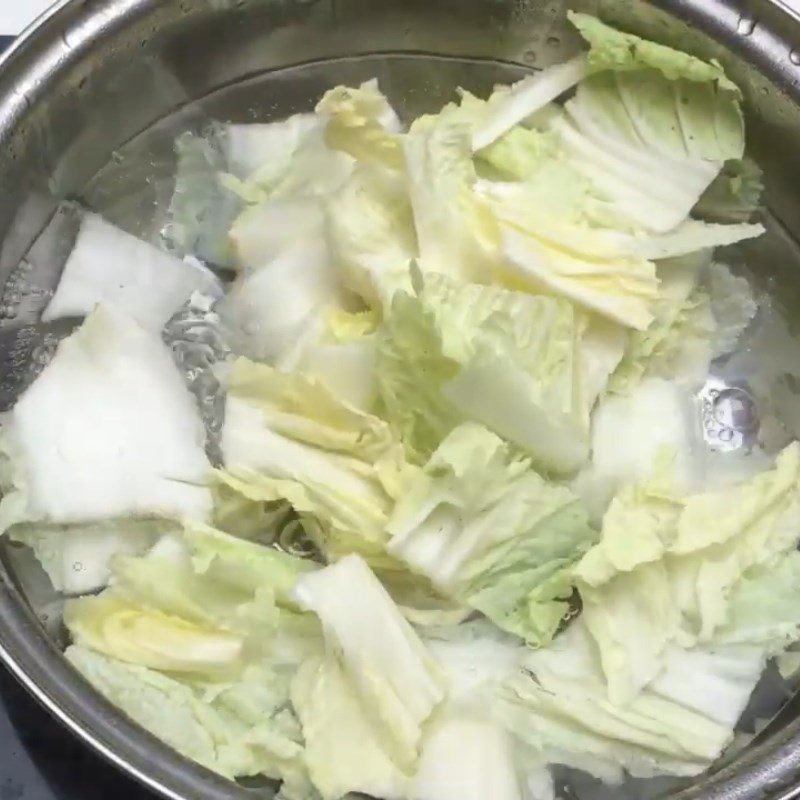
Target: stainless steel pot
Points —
{"points": [[92, 74]]}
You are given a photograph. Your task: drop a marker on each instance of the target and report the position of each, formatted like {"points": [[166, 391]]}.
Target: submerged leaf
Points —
{"points": [[392, 677], [491, 533], [505, 359], [286, 437], [108, 430]]}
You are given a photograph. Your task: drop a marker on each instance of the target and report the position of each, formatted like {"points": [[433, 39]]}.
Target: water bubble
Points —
{"points": [[553, 41], [794, 56], [529, 56], [729, 415], [734, 408], [77, 567], [293, 538]]}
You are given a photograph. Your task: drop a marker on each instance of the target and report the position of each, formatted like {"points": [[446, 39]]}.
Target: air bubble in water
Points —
{"points": [[726, 435], [794, 56], [729, 415], [198, 344], [18, 290], [293, 538], [735, 409]]}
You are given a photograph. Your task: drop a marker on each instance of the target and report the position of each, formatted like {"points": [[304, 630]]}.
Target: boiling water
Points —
{"points": [[750, 399]]}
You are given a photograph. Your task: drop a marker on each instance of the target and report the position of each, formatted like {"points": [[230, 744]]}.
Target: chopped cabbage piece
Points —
{"points": [[467, 759], [559, 705], [477, 657], [77, 558], [371, 231], [455, 234], [108, 430], [678, 344], [112, 267], [266, 231], [235, 729], [391, 675], [567, 257], [506, 359], [271, 145], [342, 752], [346, 368], [490, 532], [211, 579], [657, 416], [668, 564], [610, 49], [509, 106], [690, 237], [286, 437], [111, 625], [202, 208], [650, 111], [266, 313], [734, 195], [361, 122], [294, 159]]}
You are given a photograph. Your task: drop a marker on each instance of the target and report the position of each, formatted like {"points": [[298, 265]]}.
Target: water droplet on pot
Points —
{"points": [[746, 25]]}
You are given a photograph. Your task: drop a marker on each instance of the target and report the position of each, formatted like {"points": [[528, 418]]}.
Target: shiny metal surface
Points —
{"points": [[75, 92]]}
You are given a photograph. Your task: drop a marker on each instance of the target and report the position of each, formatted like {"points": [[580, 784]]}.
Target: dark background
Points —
{"points": [[41, 760]]}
